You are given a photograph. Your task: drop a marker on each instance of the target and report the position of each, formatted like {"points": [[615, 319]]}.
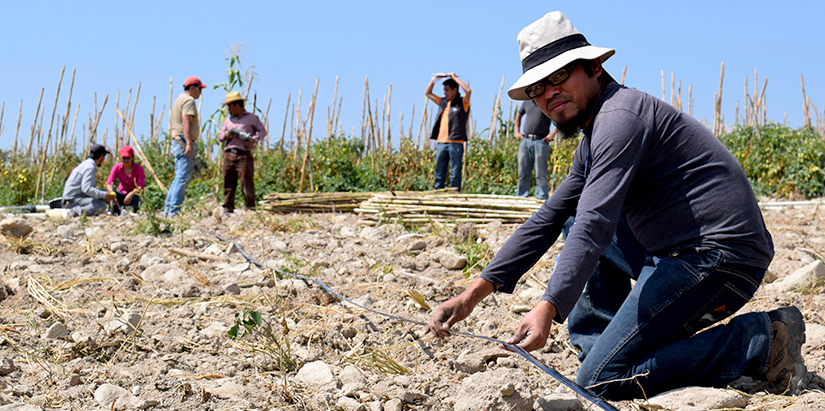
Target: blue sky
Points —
{"points": [[116, 45]]}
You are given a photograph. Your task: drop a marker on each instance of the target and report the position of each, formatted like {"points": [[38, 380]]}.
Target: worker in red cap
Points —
{"points": [[130, 178], [185, 132]]}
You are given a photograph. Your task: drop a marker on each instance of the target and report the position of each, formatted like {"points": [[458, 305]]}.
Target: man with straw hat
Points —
{"points": [[240, 132], [651, 196], [185, 131]]}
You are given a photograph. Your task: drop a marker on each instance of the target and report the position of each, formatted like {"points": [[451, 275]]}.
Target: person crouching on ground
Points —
{"points": [[130, 178], [80, 195], [241, 131], [652, 196]]}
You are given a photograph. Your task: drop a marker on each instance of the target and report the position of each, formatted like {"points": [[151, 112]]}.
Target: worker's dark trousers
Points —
{"points": [[642, 340]]}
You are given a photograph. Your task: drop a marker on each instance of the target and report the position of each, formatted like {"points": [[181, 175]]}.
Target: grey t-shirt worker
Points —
{"points": [[79, 193], [533, 129], [534, 123], [651, 196]]}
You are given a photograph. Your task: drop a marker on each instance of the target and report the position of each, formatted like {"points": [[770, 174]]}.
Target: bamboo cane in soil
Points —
{"points": [[690, 99], [156, 134], [719, 100], [249, 87], [266, 116], [17, 129], [283, 129], [491, 136], [623, 74], [93, 129], [509, 119], [48, 137], [169, 140], [74, 124], [663, 85], [338, 114], [388, 133], [412, 120], [131, 124], [297, 146], [34, 125], [423, 122], [39, 135], [152, 121], [309, 137], [69, 103], [806, 114], [364, 108], [145, 158], [331, 115], [2, 111]]}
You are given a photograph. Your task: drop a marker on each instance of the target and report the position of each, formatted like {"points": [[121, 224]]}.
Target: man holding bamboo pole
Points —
{"points": [[651, 196], [184, 134], [450, 129], [239, 132]]}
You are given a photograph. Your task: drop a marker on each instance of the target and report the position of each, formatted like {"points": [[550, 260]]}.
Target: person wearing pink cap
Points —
{"points": [[184, 134], [129, 176]]}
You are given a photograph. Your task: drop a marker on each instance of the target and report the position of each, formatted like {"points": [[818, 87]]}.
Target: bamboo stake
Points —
{"points": [[266, 116], [39, 134], [423, 123], [364, 106], [69, 104], [623, 73], [412, 120], [805, 110], [154, 137], [17, 129], [93, 129], [249, 87], [131, 124], [672, 81], [74, 124], [509, 120], [297, 131], [491, 135], [2, 111], [145, 158], [309, 137], [389, 119], [34, 125], [331, 116], [719, 101], [283, 130], [336, 126], [48, 139], [663, 85], [169, 130]]}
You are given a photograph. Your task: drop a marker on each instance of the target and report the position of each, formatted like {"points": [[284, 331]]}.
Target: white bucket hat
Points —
{"points": [[547, 45]]}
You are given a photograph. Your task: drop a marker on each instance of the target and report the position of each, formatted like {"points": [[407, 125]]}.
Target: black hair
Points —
{"points": [[189, 86], [451, 83]]}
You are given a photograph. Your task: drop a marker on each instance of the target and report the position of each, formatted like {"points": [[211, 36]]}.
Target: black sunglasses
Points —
{"points": [[554, 79]]}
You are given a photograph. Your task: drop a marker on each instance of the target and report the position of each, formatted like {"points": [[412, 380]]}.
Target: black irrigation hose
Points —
{"points": [[516, 349]]}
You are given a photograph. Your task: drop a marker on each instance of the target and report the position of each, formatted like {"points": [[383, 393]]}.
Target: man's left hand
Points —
{"points": [[534, 329], [550, 137], [249, 143]]}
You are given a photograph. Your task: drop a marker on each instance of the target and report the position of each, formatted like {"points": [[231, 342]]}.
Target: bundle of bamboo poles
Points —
{"points": [[312, 202], [446, 208], [330, 202]]}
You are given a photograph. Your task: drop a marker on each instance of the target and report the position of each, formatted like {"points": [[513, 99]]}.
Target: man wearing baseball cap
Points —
{"points": [[239, 132], [651, 196], [184, 134], [80, 195]]}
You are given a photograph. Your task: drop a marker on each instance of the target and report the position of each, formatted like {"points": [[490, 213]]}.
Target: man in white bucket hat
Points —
{"points": [[651, 196]]}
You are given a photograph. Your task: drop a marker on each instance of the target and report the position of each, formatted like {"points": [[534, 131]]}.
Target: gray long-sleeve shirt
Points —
{"points": [[674, 182], [82, 181]]}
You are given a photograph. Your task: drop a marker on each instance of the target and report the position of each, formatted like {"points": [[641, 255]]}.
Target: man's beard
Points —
{"points": [[573, 126]]}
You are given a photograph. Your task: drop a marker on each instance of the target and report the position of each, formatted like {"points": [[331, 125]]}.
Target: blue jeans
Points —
{"points": [[653, 327], [184, 167], [452, 153], [121, 197], [530, 153]]}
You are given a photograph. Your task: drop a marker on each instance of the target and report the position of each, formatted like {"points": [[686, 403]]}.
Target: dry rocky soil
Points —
{"points": [[98, 315]]}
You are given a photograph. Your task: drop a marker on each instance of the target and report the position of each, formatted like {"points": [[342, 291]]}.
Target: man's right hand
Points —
{"points": [[189, 151], [110, 196], [458, 308], [519, 136], [447, 314]]}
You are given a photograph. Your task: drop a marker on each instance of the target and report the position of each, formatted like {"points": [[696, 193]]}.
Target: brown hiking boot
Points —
{"points": [[786, 370]]}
